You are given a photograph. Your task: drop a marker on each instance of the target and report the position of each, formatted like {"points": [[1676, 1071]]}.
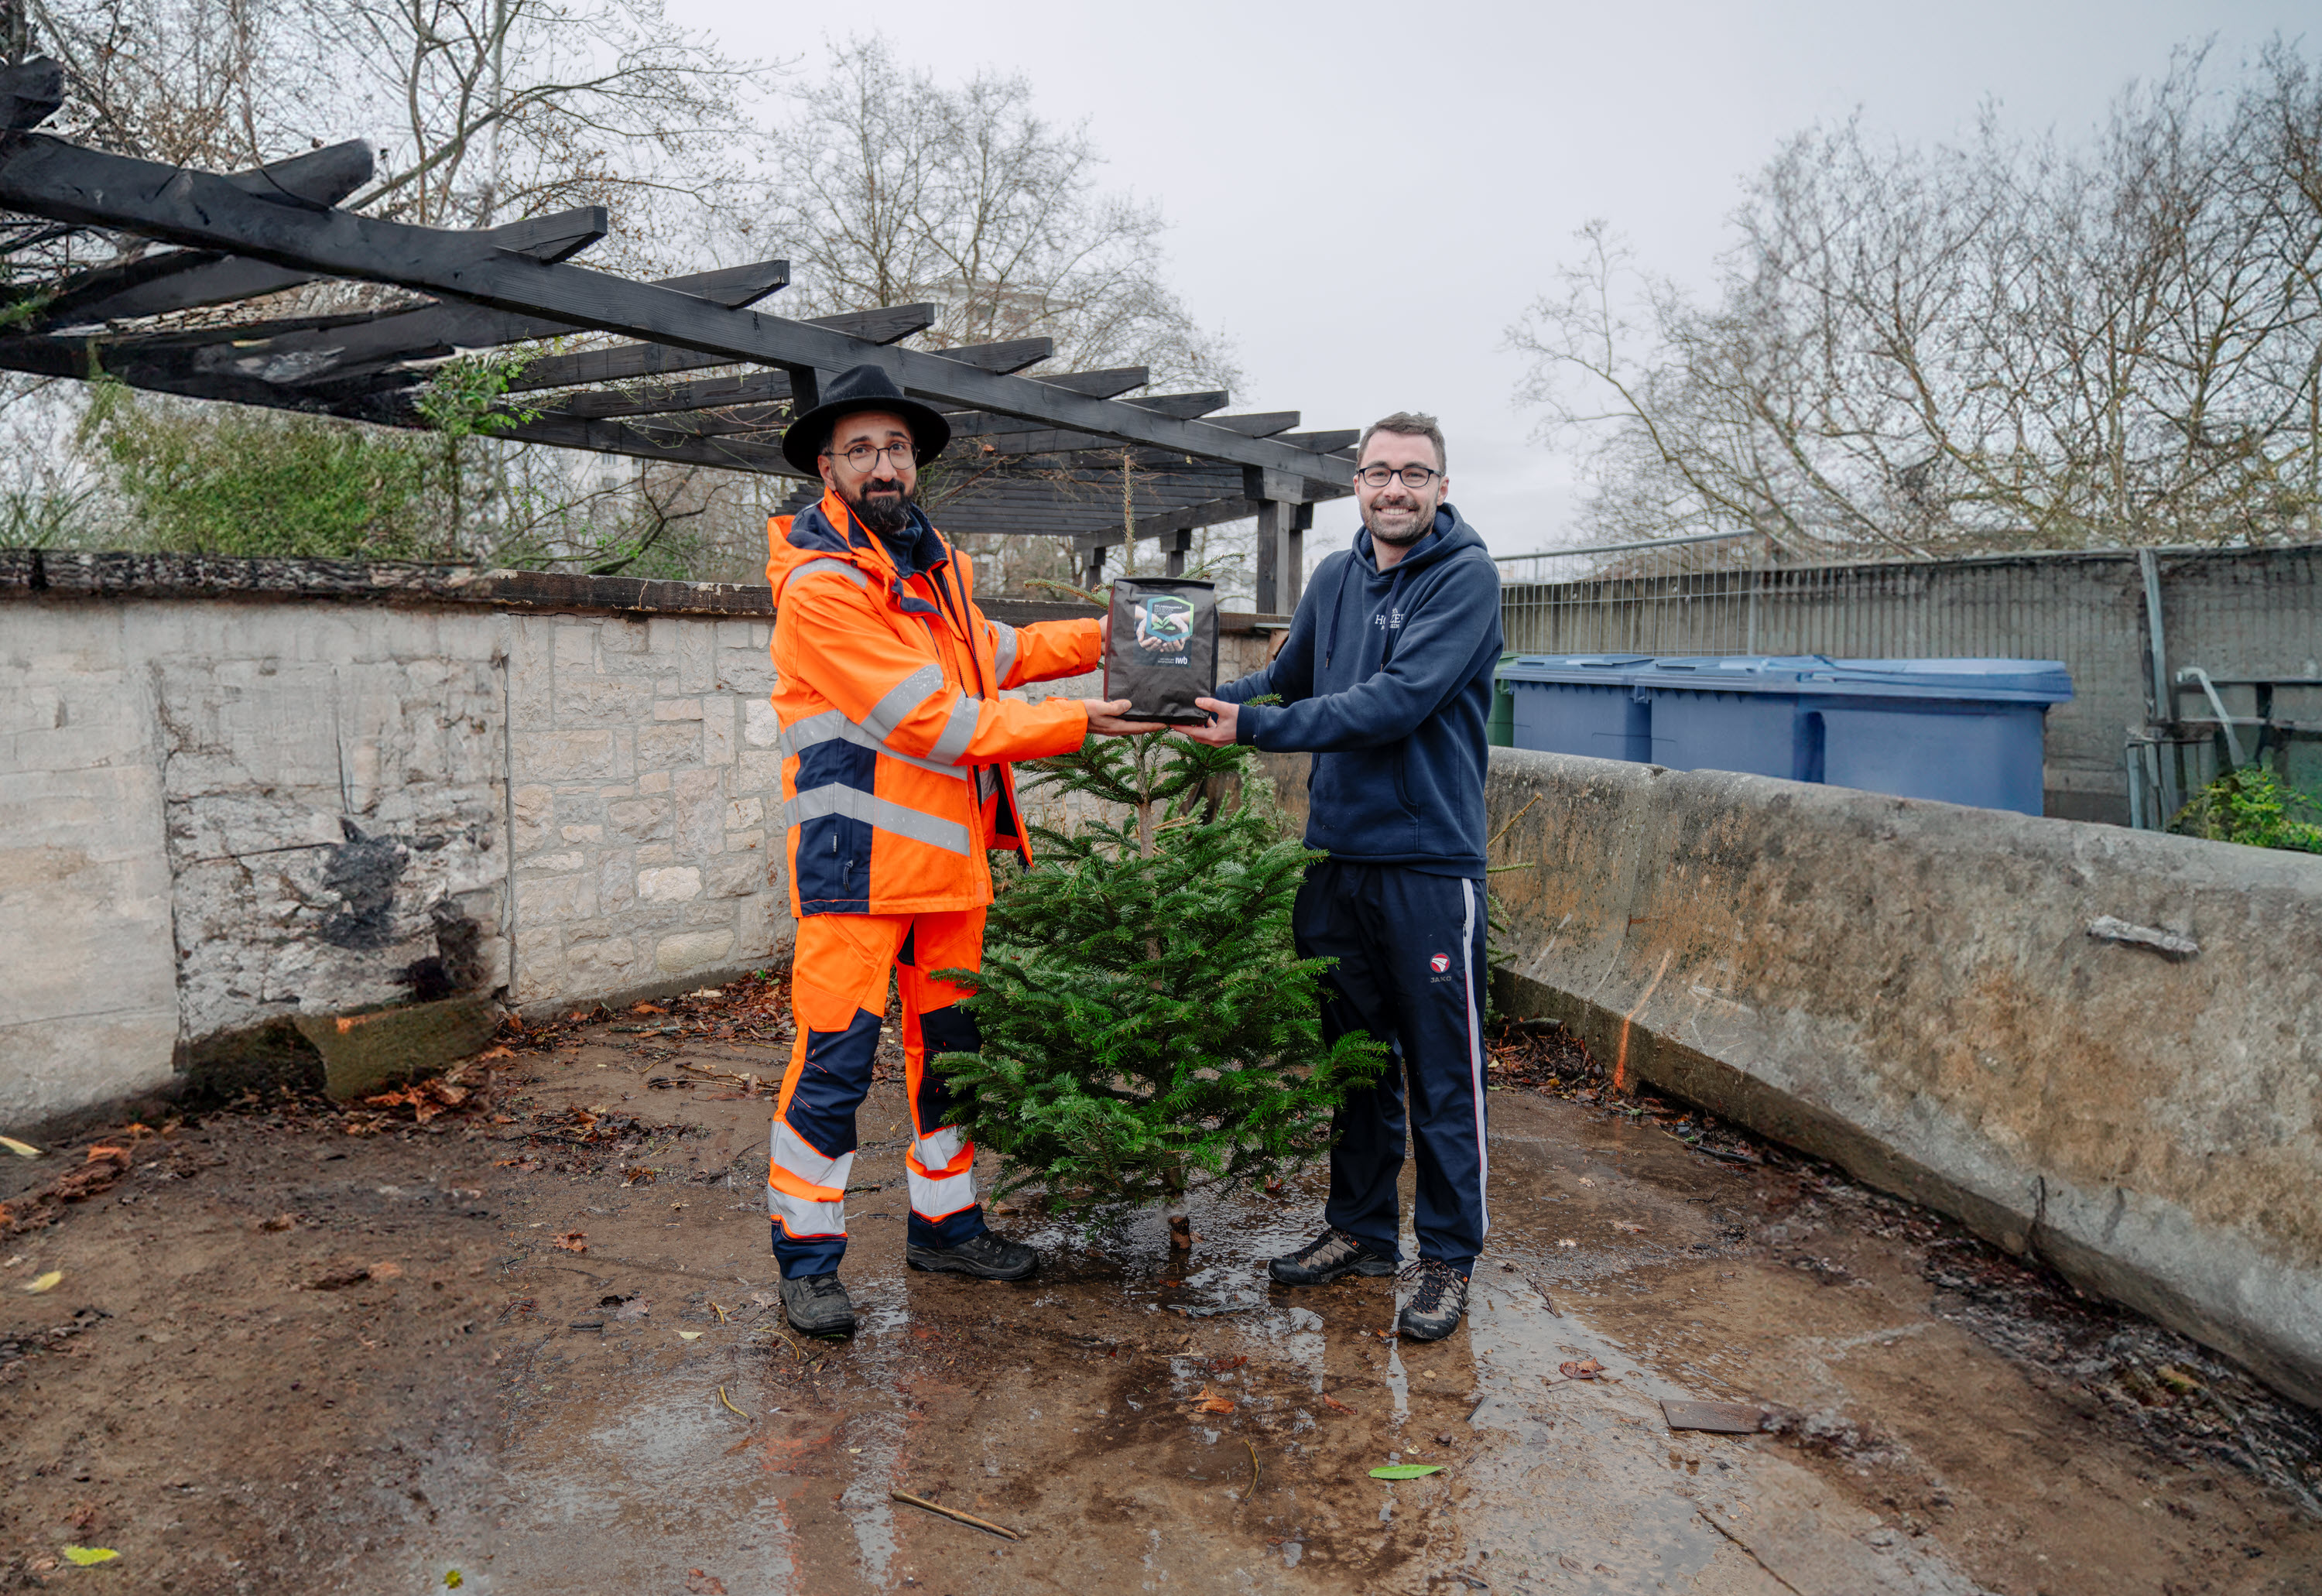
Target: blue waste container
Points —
{"points": [[1962, 731], [1584, 704]]}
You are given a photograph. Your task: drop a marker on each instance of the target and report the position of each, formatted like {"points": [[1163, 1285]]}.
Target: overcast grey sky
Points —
{"points": [[1365, 195]]}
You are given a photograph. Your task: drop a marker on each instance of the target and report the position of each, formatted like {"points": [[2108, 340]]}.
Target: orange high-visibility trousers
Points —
{"points": [[838, 999]]}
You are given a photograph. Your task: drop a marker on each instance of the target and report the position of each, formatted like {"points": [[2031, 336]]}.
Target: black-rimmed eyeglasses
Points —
{"points": [[862, 455], [1413, 477]]}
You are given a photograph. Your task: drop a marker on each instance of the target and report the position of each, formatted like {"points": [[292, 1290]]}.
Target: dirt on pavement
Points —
{"points": [[533, 1342]]}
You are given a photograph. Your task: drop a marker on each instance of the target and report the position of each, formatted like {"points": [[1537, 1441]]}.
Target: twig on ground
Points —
{"points": [[937, 1507], [1252, 1492], [729, 1404]]}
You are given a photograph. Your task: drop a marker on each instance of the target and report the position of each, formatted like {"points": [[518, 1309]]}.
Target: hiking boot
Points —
{"points": [[986, 1257], [1435, 1306], [818, 1305], [1324, 1259]]}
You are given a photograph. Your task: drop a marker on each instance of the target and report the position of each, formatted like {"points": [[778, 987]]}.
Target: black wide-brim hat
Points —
{"points": [[864, 388]]}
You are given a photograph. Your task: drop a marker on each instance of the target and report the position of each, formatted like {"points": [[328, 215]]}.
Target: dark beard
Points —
{"points": [[886, 513], [1419, 529]]}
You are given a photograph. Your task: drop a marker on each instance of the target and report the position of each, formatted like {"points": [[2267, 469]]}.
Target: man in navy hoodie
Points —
{"points": [[1386, 679]]}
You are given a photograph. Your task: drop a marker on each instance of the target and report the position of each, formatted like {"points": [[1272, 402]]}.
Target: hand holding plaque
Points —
{"points": [[1162, 651]]}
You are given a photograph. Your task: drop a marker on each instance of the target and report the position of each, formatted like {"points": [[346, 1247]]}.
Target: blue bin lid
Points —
{"points": [[1594, 670], [2011, 681]]}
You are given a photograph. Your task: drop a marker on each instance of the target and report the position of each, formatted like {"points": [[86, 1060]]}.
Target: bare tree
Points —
{"points": [[2007, 343], [899, 188], [483, 110]]}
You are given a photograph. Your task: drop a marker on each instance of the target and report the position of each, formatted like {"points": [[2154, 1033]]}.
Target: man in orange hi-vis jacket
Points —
{"points": [[895, 741]]}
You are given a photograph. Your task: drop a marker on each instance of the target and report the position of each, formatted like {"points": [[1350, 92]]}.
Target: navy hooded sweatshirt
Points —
{"points": [[1386, 679]]}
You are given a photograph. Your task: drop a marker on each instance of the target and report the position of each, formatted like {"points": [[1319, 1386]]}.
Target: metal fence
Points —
{"points": [[2236, 672]]}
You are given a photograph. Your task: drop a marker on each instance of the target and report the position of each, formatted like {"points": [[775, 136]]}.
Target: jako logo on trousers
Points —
{"points": [[1439, 962]]}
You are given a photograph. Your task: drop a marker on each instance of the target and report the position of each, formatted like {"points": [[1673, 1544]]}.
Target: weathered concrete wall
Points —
{"points": [[1912, 990], [227, 800], [89, 1008]]}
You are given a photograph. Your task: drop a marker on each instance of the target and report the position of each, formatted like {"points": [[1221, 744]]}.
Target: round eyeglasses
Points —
{"points": [[863, 455], [1413, 477]]}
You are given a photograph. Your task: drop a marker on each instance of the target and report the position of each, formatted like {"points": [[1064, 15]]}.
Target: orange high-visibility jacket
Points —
{"points": [[895, 739]]}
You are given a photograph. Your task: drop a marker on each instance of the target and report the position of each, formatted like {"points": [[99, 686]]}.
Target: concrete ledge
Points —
{"points": [[1914, 992]]}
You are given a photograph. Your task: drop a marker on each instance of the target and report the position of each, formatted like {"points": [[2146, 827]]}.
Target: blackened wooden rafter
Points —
{"points": [[47, 176], [1040, 450]]}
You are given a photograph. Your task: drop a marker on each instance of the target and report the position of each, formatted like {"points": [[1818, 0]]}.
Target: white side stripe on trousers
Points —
{"points": [[1475, 1053]]}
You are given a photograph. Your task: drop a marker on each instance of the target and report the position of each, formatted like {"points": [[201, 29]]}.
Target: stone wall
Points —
{"points": [[643, 771], [236, 792], [2099, 1047]]}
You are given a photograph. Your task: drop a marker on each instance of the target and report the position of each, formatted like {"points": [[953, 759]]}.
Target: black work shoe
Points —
{"points": [[1434, 1308], [986, 1257], [818, 1305], [1324, 1259]]}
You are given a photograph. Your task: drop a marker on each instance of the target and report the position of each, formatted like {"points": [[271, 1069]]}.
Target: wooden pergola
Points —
{"points": [[696, 375]]}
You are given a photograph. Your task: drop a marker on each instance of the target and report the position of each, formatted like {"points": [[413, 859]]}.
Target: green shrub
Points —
{"points": [[2253, 806], [226, 480]]}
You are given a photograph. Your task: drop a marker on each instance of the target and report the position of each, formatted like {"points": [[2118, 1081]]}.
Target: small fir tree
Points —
{"points": [[1148, 1025]]}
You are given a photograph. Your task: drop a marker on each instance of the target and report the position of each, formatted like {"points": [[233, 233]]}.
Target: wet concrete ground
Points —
{"points": [[635, 1417]]}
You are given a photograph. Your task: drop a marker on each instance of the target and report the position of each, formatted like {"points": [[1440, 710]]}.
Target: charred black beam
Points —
{"points": [[625, 362], [46, 176], [750, 398]]}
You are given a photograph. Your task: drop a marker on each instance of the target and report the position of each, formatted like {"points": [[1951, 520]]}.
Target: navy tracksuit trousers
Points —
{"points": [[1411, 972]]}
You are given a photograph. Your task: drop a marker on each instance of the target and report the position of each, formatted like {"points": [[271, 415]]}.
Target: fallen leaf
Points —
{"points": [[103, 1167], [1335, 1405], [1625, 1225], [498, 1053], [452, 1580], [573, 1241], [1225, 1365], [638, 1174], [386, 1271], [688, 1335], [279, 1222], [21, 1149], [1209, 1401], [89, 1556], [1406, 1470], [647, 1008], [47, 1282], [1586, 1369]]}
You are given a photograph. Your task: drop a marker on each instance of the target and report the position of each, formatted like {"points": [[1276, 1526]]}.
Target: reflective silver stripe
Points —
{"points": [[817, 566], [959, 730], [885, 814], [938, 1151], [801, 1219], [833, 727], [904, 697], [792, 1152], [940, 1196], [1003, 648]]}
